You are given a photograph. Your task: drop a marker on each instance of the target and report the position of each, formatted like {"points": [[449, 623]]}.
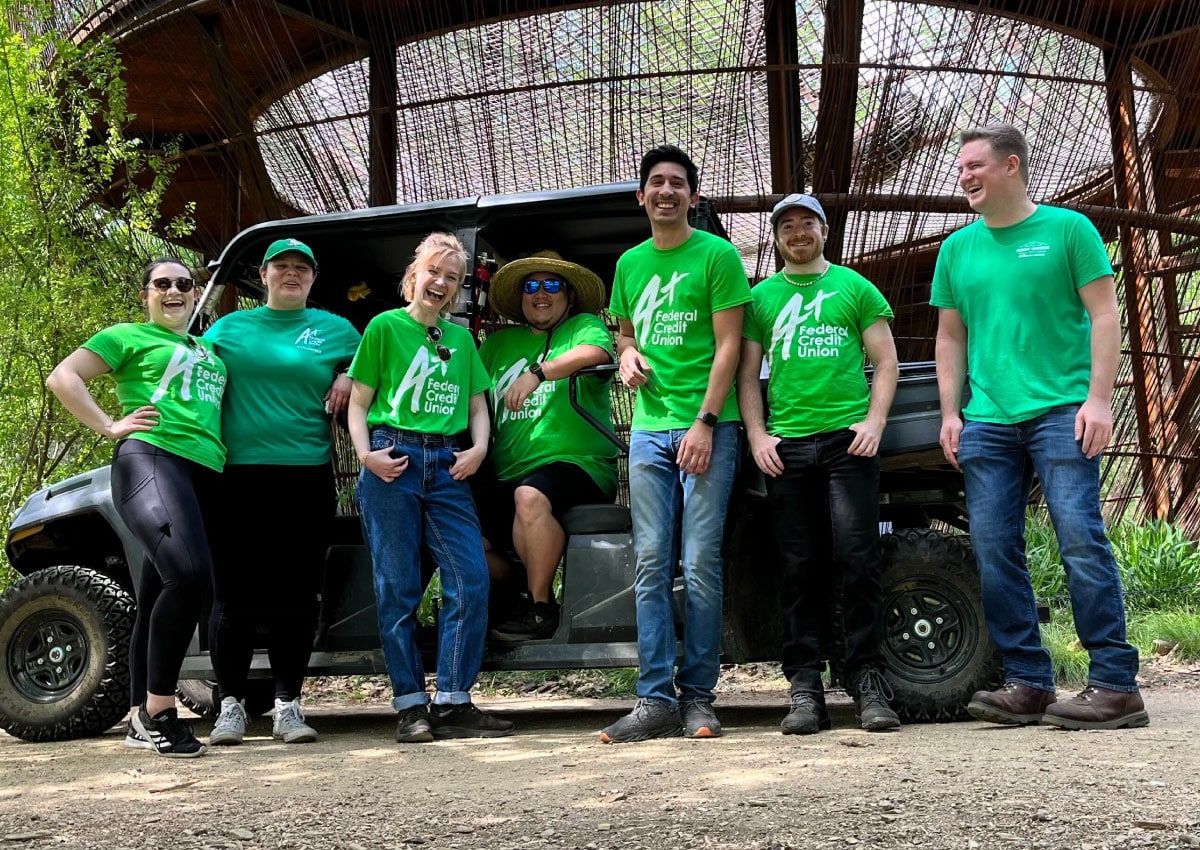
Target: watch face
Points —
{"points": [[709, 419]]}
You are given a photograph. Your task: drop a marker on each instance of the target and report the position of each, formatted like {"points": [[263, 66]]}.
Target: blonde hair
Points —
{"points": [[432, 249]]}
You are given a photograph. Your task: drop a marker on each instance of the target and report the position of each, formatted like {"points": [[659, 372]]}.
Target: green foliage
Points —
{"points": [[68, 266], [1159, 564], [1180, 628]]}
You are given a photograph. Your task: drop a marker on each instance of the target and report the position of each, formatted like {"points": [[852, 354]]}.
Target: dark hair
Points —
{"points": [[669, 153], [149, 268], [1006, 140]]}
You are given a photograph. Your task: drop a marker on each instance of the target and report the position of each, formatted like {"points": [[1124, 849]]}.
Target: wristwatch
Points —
{"points": [[709, 419], [536, 371]]}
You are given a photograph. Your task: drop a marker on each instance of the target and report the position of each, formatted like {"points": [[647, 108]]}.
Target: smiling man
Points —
{"points": [[679, 296], [1028, 312], [819, 453], [546, 459]]}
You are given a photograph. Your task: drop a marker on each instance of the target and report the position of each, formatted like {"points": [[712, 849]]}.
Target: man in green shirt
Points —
{"points": [[819, 453], [547, 459], [1028, 311], [679, 297]]}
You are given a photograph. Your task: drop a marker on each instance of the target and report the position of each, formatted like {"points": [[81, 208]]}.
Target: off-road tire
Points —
{"points": [[200, 696], [936, 648], [64, 639]]}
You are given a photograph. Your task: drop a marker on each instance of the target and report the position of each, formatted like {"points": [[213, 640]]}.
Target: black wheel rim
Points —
{"points": [[47, 656], [930, 630]]}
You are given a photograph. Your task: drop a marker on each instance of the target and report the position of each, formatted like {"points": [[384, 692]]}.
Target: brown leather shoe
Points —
{"points": [[1013, 704], [1099, 708]]}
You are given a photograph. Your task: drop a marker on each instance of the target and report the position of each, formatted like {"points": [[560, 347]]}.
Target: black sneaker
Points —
{"points": [[538, 621], [649, 719], [169, 735], [699, 719], [134, 739], [413, 726], [466, 721], [871, 695], [807, 716]]}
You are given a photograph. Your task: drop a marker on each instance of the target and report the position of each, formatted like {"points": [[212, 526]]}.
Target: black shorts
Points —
{"points": [[564, 484]]}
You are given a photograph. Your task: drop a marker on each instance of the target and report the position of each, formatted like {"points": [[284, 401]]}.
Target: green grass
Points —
{"points": [[1070, 661], [1159, 564]]}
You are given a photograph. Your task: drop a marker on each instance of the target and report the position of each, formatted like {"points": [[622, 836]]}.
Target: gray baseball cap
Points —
{"points": [[798, 201]]}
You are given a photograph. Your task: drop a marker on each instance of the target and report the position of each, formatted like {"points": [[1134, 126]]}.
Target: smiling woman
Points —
{"points": [[286, 363], [168, 452]]}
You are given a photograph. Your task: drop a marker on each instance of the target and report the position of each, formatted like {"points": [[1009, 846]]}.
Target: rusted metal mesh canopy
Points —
{"points": [[857, 100]]}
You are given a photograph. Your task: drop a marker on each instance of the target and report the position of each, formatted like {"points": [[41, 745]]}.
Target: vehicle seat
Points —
{"points": [[597, 519]]}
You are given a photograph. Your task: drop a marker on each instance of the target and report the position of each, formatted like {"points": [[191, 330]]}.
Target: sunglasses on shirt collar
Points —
{"points": [[435, 335]]}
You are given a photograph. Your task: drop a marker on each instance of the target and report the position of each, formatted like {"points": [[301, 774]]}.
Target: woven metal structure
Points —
{"points": [[303, 106]]}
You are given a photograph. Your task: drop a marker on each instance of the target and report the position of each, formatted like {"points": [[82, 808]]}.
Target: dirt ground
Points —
{"points": [[554, 785]]}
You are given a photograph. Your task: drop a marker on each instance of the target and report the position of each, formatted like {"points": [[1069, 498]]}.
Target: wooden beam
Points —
{"points": [[783, 98], [382, 134], [257, 193], [836, 112], [1129, 181]]}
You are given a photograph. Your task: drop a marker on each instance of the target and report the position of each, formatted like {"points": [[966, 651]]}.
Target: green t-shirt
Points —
{"points": [[181, 376], [670, 297], [281, 363], [812, 337], [414, 389], [547, 429], [1016, 289]]}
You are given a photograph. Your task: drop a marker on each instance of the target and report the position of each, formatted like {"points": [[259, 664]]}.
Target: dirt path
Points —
{"points": [[553, 785]]}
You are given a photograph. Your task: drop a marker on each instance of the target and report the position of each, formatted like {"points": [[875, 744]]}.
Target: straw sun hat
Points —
{"points": [[505, 292]]}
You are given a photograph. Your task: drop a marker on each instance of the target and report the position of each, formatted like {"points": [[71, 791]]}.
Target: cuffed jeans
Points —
{"points": [[825, 508], [999, 462], [663, 499], [425, 503]]}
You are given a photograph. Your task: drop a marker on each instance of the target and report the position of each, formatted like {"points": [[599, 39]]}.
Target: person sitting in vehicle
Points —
{"points": [[547, 458], [164, 467], [283, 359], [418, 383]]}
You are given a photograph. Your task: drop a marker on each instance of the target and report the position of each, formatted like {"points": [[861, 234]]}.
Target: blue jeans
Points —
{"points": [[825, 508], [661, 500], [425, 505], [999, 462]]}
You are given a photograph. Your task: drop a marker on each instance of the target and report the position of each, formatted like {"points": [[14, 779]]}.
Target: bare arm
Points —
{"points": [[562, 366], [749, 392], [695, 449], [68, 382], [881, 351], [951, 358], [466, 463], [379, 462], [633, 365], [1093, 423]]}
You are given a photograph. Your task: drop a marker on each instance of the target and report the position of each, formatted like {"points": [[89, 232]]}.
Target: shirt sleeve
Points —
{"points": [[1088, 256], [729, 286], [591, 331], [751, 325], [942, 294], [110, 345], [365, 366], [874, 306], [617, 304]]}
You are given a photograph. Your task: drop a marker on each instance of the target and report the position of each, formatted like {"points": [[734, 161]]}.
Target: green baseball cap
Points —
{"points": [[284, 246]]}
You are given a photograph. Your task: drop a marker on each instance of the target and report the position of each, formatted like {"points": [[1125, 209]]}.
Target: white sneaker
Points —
{"points": [[231, 723], [289, 725]]}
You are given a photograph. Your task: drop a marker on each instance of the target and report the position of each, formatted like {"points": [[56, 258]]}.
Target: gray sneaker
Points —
{"points": [[230, 727], [871, 695], [289, 725], [649, 719], [699, 719]]}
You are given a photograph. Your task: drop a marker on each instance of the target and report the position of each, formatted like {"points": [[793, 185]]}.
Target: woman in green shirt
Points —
{"points": [[165, 463], [418, 383], [282, 359]]}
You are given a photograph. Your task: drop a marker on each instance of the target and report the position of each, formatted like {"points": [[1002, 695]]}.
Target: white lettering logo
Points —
{"points": [[423, 365], [795, 314], [534, 403], [310, 339], [182, 363], [654, 296]]}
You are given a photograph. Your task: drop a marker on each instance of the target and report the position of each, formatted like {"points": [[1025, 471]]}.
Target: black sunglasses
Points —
{"points": [[435, 335], [183, 284], [551, 285]]}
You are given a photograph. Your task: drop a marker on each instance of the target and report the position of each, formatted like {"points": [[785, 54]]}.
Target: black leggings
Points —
{"points": [[268, 571], [159, 496]]}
